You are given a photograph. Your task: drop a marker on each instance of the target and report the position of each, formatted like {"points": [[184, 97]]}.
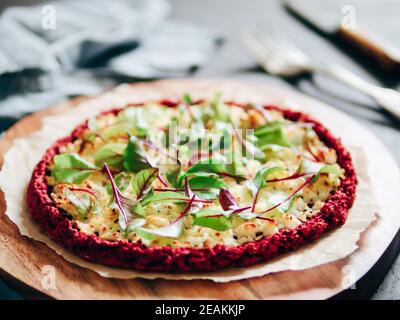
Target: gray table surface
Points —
{"points": [[233, 61]]}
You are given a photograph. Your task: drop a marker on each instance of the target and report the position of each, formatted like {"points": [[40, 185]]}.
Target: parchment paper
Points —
{"points": [[25, 153]]}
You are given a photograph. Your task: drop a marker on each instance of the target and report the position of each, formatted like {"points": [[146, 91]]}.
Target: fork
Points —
{"points": [[279, 56]]}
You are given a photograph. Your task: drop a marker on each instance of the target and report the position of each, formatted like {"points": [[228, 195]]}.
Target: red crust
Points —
{"points": [[137, 256]]}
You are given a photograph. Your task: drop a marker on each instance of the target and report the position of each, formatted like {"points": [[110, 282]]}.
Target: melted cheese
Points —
{"points": [[104, 220]]}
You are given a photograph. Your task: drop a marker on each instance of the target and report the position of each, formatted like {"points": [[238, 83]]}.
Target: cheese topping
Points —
{"points": [[161, 175]]}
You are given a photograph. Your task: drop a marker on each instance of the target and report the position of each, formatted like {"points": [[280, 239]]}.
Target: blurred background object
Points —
{"points": [[278, 56], [46, 48], [368, 26]]}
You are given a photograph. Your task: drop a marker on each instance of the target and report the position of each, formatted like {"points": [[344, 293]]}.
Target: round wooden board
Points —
{"points": [[25, 259]]}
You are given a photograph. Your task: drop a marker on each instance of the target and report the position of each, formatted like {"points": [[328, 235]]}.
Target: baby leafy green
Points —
{"points": [[213, 219], [81, 201], [134, 156], [206, 187], [142, 181], [111, 154], [271, 133], [71, 168]]}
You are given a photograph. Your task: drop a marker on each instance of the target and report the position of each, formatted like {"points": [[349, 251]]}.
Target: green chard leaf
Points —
{"points": [[142, 181], [310, 167], [134, 116], [259, 182], [292, 200], [129, 209], [122, 181], [271, 133], [138, 209], [187, 99], [173, 176], [165, 196], [211, 165], [211, 186], [71, 168], [112, 154], [122, 129], [213, 219], [262, 175], [81, 201], [134, 156]]}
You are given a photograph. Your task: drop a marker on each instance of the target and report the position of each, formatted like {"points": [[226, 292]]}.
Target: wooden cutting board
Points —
{"points": [[26, 260]]}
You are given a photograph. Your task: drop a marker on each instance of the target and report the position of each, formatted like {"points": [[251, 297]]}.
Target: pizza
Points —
{"points": [[192, 185]]}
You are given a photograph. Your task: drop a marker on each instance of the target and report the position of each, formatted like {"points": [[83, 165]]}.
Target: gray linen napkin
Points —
{"points": [[60, 49]]}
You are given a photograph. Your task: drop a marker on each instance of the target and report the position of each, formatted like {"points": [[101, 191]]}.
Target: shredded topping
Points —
{"points": [[193, 175]]}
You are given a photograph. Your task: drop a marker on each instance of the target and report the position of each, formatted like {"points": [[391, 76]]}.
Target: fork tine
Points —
{"points": [[269, 43], [256, 46], [275, 56], [281, 41], [267, 48]]}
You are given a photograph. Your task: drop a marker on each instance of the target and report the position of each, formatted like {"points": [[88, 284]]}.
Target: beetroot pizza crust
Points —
{"points": [[137, 256]]}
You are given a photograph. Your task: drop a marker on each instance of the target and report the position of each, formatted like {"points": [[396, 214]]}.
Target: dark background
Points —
{"points": [[232, 60]]}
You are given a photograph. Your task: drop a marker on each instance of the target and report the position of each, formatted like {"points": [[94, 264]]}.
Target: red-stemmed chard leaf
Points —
{"points": [[228, 202], [303, 185], [189, 205], [162, 180], [83, 190], [259, 182], [82, 202], [213, 219], [71, 168], [117, 196], [142, 181], [174, 230]]}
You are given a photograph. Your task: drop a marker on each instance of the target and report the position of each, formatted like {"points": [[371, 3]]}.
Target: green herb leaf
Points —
{"points": [[292, 200], [81, 202], [165, 196], [173, 176], [71, 168], [122, 181], [112, 154], [334, 169], [211, 186], [262, 175], [142, 181], [271, 133], [187, 99], [134, 116], [134, 156], [117, 130], [213, 219], [308, 167], [212, 165], [259, 182], [138, 209]]}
